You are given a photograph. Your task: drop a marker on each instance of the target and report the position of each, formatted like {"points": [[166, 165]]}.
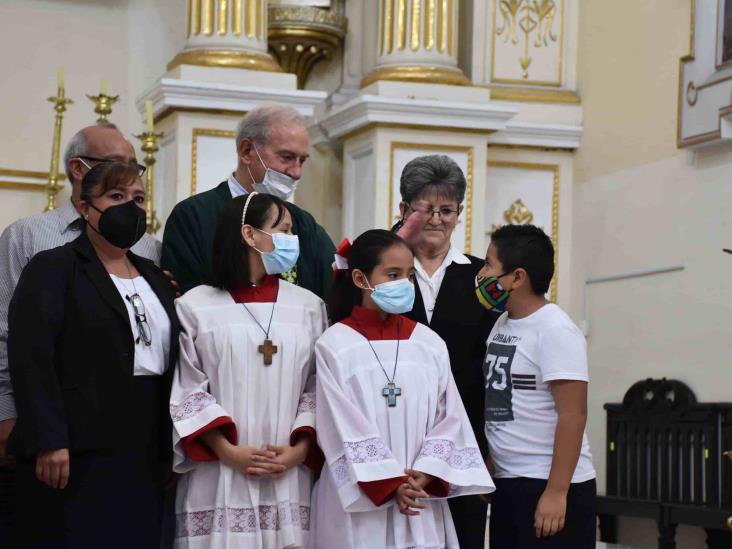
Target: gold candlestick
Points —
{"points": [[60, 102], [103, 106], [150, 147]]}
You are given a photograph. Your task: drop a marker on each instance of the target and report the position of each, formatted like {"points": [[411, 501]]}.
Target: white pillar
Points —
{"points": [[418, 42], [227, 33]]}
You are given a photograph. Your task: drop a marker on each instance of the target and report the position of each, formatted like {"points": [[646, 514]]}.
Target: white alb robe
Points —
{"points": [[364, 440], [222, 375]]}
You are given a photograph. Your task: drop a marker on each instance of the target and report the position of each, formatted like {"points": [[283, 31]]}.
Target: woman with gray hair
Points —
{"points": [[432, 190]]}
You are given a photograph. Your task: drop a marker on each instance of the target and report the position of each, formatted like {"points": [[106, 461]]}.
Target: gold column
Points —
{"points": [[417, 42], [227, 33]]}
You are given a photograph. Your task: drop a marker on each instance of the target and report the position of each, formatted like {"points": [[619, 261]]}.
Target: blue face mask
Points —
{"points": [[394, 297], [284, 256]]}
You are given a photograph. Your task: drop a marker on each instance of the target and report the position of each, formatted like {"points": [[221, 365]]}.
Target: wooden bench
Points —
{"points": [[667, 460]]}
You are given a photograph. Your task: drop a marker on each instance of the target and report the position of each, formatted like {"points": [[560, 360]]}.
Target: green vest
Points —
{"points": [[189, 233]]}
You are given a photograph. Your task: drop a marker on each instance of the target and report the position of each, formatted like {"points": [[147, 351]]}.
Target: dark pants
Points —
{"points": [[512, 516], [114, 498], [7, 496], [469, 516]]}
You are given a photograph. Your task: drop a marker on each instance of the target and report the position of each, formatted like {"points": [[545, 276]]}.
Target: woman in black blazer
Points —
{"points": [[433, 189], [93, 339]]}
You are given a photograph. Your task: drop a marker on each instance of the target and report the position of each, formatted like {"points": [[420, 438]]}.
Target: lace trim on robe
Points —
{"points": [[456, 458], [242, 519], [193, 404]]}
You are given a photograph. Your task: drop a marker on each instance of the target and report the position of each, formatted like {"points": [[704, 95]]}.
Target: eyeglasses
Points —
{"points": [[140, 168], [143, 328], [446, 214]]}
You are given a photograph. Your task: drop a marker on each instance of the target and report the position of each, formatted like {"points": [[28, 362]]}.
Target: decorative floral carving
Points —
{"points": [[527, 16]]}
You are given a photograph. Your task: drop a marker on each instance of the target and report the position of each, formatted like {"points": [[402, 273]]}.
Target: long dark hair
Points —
{"points": [[229, 265], [364, 255]]}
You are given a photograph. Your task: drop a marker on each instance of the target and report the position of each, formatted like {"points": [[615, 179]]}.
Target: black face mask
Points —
{"points": [[122, 225]]}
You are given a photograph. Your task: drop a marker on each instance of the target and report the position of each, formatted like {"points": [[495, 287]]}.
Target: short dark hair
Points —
{"points": [[527, 247], [108, 175], [229, 266], [433, 172], [364, 255]]}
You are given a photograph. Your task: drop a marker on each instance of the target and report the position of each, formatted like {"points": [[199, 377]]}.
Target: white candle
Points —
{"points": [[103, 88], [61, 78], [149, 111]]}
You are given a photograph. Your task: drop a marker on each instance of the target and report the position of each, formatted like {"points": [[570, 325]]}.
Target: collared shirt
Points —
{"points": [[429, 286], [235, 188], [19, 242]]}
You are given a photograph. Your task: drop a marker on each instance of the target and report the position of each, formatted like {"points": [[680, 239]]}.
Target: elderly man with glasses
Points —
{"points": [[433, 189], [24, 238]]}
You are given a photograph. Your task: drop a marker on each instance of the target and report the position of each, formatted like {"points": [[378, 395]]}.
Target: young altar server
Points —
{"points": [[243, 399], [395, 435]]}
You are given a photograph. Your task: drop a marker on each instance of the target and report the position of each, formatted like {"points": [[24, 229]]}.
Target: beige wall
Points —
{"points": [[628, 76], [128, 43], [642, 204]]}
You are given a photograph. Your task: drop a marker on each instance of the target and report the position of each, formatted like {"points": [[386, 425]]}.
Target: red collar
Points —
{"points": [[368, 323], [266, 292]]}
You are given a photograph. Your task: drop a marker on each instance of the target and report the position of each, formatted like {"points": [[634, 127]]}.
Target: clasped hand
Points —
{"points": [[407, 493], [265, 463]]}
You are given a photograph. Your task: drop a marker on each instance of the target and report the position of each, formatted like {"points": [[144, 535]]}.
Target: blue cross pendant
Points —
{"points": [[391, 392]]}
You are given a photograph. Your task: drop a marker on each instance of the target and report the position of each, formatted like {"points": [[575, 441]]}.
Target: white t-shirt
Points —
{"points": [[523, 356], [149, 359]]}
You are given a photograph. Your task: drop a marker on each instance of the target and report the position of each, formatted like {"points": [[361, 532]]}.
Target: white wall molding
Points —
{"points": [[173, 93], [560, 136], [370, 109]]}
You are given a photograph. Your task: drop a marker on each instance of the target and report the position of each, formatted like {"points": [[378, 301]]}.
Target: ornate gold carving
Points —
{"points": [[533, 95], [299, 38], [683, 94], [518, 214], [692, 94], [450, 26], [226, 58], [416, 18], [103, 105], [150, 147], [387, 26], [194, 17], [401, 24], [59, 105], [468, 177], [429, 25], [528, 16], [554, 168], [418, 73], [194, 149], [236, 17], [208, 15], [223, 17]]}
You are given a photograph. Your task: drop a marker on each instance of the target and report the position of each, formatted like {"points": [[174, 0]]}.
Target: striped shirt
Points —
{"points": [[19, 242]]}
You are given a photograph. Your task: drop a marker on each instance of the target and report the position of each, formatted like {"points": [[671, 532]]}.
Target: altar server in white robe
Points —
{"points": [[243, 399], [396, 437]]}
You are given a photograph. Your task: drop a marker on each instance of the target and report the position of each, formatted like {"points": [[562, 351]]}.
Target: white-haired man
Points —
{"points": [[272, 144], [24, 238]]}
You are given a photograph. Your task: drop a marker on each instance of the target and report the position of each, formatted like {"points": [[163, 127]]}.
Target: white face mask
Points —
{"points": [[275, 183]]}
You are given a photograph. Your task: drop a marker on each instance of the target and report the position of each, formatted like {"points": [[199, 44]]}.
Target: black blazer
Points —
{"points": [[464, 324], [71, 353]]}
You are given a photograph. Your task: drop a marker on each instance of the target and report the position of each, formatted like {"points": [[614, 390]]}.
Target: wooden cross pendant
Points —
{"points": [[267, 349], [391, 392]]}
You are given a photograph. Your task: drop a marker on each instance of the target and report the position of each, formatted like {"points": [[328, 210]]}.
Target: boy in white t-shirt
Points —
{"points": [[536, 401]]}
